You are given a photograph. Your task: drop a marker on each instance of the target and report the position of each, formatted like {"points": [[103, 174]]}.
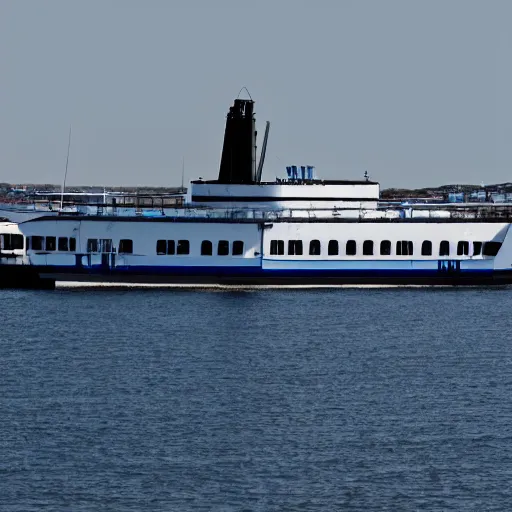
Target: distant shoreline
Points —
{"points": [[10, 190]]}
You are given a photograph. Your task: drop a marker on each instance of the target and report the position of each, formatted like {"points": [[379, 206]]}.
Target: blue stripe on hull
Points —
{"points": [[183, 270], [254, 275]]}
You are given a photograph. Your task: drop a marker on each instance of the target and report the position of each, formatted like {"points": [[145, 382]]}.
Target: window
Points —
{"points": [[477, 248], [183, 247], [295, 247], [63, 243], [161, 247], [223, 248], [444, 248], [491, 248], [333, 248], [105, 245], [92, 245], [462, 248], [11, 242], [351, 248], [72, 244], [426, 248], [5, 241], [206, 248], [314, 248], [165, 247], [36, 242], [404, 248], [125, 246], [368, 248], [51, 242], [277, 247], [385, 248], [17, 241], [238, 248]]}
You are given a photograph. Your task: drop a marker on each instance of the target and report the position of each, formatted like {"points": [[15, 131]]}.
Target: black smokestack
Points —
{"points": [[238, 162]]}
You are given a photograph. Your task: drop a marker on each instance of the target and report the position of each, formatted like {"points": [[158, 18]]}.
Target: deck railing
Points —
{"points": [[477, 212]]}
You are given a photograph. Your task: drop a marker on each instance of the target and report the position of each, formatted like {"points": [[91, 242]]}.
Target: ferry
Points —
{"points": [[239, 230]]}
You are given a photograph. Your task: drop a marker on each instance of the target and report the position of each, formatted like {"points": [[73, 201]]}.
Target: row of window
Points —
{"points": [[51, 243], [402, 248], [237, 248], [183, 247], [105, 245], [65, 244], [277, 247], [172, 247]]}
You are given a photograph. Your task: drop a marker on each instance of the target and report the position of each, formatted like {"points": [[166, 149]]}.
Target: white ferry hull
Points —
{"points": [[257, 265]]}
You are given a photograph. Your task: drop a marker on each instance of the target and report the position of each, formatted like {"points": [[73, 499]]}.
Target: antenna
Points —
{"points": [[182, 173], [263, 153], [66, 171], [246, 90]]}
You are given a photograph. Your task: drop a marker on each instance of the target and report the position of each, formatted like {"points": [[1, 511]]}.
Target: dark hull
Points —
{"points": [[275, 279], [23, 277], [17, 276]]}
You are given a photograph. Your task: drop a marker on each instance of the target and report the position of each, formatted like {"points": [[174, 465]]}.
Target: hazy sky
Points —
{"points": [[416, 92]]}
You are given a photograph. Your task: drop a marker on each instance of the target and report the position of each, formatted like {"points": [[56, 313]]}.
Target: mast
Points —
{"points": [[66, 171], [182, 174], [263, 153]]}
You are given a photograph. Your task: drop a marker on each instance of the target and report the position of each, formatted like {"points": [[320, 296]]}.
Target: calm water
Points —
{"points": [[293, 400]]}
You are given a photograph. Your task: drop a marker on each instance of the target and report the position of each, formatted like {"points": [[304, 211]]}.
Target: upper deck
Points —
{"points": [[446, 213], [286, 194]]}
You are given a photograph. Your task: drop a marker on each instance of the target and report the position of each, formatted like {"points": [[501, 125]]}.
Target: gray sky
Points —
{"points": [[417, 92]]}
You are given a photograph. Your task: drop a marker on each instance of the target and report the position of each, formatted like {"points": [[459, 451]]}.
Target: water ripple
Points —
{"points": [[296, 400]]}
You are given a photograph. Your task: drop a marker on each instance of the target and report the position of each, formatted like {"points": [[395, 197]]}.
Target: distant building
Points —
{"points": [[479, 196], [456, 197]]}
